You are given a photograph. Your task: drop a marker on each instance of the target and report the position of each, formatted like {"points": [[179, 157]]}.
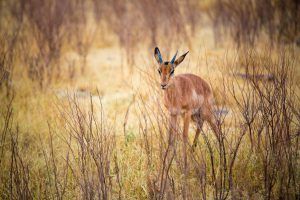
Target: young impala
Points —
{"points": [[187, 95]]}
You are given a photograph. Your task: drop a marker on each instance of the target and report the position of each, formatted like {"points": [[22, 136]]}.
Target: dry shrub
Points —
{"points": [[245, 21], [81, 162], [46, 19], [81, 31], [50, 28], [159, 151], [153, 22], [10, 27], [6, 60], [91, 146], [269, 110], [15, 171]]}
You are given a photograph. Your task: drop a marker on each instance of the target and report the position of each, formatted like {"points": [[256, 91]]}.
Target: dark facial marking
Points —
{"points": [[172, 71], [159, 71]]}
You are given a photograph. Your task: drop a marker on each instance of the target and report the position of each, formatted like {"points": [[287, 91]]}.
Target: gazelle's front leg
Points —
{"points": [[187, 118], [186, 123], [172, 128]]}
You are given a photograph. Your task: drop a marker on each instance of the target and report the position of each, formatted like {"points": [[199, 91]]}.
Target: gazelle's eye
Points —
{"points": [[159, 71], [172, 72]]}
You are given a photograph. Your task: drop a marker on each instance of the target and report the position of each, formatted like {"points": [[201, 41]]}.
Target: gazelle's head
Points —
{"points": [[166, 68]]}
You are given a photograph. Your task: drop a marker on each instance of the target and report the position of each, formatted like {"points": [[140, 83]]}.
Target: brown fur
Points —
{"points": [[180, 94], [187, 95]]}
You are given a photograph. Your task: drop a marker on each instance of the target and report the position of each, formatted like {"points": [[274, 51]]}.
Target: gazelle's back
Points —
{"points": [[191, 92], [191, 82]]}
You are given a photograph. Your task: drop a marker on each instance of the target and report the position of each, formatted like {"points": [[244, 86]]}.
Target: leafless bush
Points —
{"points": [[160, 157], [86, 168], [82, 33], [167, 21], [91, 143], [121, 17], [15, 171], [152, 22], [270, 116], [50, 27], [9, 34], [157, 144], [6, 122], [163, 18], [47, 19], [245, 21], [6, 60]]}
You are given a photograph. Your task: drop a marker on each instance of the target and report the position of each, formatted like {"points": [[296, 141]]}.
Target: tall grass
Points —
{"points": [[86, 146], [83, 158]]}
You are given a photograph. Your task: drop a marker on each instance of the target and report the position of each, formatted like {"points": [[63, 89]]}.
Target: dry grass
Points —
{"points": [[94, 126]]}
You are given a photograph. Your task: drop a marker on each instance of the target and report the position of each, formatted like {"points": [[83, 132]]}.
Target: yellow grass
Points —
{"points": [[118, 87]]}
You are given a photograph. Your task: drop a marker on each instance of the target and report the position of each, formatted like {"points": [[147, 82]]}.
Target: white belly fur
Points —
{"points": [[197, 99]]}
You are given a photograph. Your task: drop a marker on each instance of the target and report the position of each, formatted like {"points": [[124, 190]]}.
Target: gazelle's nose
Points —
{"points": [[163, 86]]}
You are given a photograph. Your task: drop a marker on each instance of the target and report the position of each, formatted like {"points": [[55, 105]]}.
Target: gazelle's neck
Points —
{"points": [[170, 91], [170, 96], [171, 86]]}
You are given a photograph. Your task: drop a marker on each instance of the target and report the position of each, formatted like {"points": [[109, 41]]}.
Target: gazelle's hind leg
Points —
{"points": [[209, 117], [197, 118]]}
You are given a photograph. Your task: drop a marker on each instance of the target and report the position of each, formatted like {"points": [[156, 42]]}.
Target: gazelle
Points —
{"points": [[185, 94]]}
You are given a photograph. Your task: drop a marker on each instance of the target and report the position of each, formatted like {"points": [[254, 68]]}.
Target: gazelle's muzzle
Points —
{"points": [[163, 86]]}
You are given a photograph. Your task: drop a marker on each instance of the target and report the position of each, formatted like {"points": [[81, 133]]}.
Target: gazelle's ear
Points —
{"points": [[180, 59], [157, 55]]}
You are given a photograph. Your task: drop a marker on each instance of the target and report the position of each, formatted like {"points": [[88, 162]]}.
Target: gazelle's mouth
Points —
{"points": [[164, 87]]}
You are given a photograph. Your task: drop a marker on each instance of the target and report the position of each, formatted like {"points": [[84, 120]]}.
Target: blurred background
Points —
{"points": [[81, 111], [62, 40]]}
